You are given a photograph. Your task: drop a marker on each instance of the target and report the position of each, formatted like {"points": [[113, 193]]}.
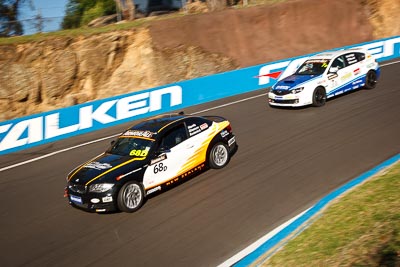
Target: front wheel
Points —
{"points": [[130, 197], [370, 80], [319, 97], [219, 156]]}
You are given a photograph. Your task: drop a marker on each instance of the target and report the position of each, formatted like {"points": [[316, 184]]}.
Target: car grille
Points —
{"points": [[280, 92], [77, 188], [284, 101]]}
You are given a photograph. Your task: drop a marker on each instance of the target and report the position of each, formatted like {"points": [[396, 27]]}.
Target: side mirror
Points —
{"points": [[333, 69], [163, 150], [112, 142]]}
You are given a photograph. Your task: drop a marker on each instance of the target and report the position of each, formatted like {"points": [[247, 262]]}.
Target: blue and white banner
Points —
{"points": [[38, 129]]}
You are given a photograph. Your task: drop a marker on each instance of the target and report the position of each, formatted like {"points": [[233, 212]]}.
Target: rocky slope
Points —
{"points": [[61, 71], [36, 77]]}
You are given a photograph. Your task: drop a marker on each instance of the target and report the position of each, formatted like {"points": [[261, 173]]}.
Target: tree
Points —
{"points": [[38, 22], [72, 15], [9, 24], [80, 12]]}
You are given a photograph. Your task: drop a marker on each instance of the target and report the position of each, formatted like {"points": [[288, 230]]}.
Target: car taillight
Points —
{"points": [[229, 128]]}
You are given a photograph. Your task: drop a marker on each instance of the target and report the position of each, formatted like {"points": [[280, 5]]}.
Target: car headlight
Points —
{"points": [[100, 188], [297, 90]]}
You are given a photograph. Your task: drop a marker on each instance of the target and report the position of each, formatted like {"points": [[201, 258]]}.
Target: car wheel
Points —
{"points": [[219, 156], [370, 80], [319, 97], [130, 197]]}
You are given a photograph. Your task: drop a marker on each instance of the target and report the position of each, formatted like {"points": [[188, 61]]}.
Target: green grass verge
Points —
{"points": [[86, 31], [361, 228]]}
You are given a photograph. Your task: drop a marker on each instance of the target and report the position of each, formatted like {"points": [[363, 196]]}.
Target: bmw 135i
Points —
{"points": [[148, 157]]}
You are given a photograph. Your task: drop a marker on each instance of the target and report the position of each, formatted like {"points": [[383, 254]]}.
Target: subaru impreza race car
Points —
{"points": [[148, 157], [325, 75]]}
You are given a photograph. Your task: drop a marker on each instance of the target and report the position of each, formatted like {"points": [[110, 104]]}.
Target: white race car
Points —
{"points": [[325, 75]]}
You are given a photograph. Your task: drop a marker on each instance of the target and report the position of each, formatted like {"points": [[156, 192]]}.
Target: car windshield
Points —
{"points": [[313, 67], [131, 146]]}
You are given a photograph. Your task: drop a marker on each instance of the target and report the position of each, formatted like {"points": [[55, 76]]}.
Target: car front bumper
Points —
{"points": [[289, 100], [92, 202]]}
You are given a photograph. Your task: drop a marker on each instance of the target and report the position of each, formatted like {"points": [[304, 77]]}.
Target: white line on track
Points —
{"points": [[112, 136], [56, 152], [390, 63]]}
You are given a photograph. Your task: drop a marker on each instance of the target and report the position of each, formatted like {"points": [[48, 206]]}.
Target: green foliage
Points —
{"points": [[92, 13], [80, 12], [9, 24]]}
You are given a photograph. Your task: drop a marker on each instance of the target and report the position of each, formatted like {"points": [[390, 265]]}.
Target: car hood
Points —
{"points": [[293, 81], [106, 167]]}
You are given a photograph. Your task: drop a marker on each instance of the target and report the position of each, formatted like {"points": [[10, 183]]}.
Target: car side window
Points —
{"points": [[174, 137], [351, 58], [359, 56], [197, 125], [339, 63]]}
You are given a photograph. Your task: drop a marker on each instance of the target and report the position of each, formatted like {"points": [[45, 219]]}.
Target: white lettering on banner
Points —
{"points": [[132, 106], [4, 128], [379, 49], [264, 71], [389, 47], [53, 124], [290, 68], [126, 107], [376, 49], [382, 48], [13, 138], [156, 97], [87, 115]]}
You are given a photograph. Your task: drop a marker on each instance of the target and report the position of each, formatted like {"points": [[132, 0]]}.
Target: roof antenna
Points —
{"points": [[181, 113]]}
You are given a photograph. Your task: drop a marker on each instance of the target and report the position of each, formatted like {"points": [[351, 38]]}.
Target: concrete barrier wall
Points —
{"points": [[38, 129]]}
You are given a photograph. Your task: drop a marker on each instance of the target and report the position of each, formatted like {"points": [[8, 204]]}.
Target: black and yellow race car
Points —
{"points": [[148, 157]]}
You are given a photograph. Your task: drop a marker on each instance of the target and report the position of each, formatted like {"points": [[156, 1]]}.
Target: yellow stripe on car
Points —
{"points": [[116, 167], [84, 164], [199, 155]]}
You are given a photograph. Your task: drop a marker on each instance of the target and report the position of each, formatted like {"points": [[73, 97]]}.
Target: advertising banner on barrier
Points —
{"points": [[38, 129]]}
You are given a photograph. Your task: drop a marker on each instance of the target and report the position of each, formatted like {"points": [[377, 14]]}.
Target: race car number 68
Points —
{"points": [[139, 153], [159, 167]]}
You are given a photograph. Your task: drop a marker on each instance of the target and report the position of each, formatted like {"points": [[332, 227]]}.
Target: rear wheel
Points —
{"points": [[319, 97], [370, 80], [219, 156], [130, 197]]}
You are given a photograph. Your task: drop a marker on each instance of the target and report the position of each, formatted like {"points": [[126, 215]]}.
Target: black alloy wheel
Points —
{"points": [[319, 97], [370, 80]]}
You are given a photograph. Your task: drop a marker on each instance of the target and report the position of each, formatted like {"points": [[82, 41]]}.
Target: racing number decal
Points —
{"points": [[139, 153], [159, 168]]}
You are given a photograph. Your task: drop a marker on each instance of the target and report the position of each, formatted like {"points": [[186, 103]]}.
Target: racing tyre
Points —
{"points": [[130, 197], [370, 80], [219, 156], [319, 97]]}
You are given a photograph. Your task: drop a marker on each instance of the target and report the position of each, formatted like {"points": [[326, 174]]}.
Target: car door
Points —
{"points": [[338, 76], [355, 67], [173, 152]]}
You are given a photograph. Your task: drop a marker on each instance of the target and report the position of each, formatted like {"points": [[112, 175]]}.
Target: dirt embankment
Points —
{"points": [[60, 72], [260, 34]]}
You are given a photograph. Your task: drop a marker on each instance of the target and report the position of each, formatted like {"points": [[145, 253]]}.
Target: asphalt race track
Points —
{"points": [[287, 160]]}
